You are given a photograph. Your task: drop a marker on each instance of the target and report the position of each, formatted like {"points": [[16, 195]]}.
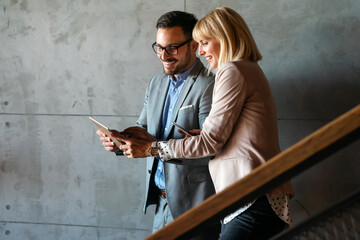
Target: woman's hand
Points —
{"points": [[193, 132]]}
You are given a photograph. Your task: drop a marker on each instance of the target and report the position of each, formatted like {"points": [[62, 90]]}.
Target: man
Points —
{"points": [[182, 94]]}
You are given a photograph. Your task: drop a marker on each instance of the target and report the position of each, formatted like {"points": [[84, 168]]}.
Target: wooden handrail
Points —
{"points": [[264, 177]]}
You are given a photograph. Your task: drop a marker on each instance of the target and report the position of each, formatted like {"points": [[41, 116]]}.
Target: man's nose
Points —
{"points": [[164, 55]]}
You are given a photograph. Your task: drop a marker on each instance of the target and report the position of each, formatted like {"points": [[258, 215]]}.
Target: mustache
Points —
{"points": [[169, 60]]}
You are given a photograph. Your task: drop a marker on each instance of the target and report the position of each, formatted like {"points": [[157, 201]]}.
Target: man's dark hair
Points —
{"points": [[184, 20]]}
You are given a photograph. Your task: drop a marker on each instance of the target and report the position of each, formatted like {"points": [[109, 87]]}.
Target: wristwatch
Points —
{"points": [[154, 150]]}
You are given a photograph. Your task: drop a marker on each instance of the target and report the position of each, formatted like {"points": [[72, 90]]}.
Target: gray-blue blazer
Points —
{"points": [[187, 181]]}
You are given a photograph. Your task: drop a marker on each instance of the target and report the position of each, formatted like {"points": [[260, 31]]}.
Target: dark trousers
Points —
{"points": [[259, 221], [163, 217]]}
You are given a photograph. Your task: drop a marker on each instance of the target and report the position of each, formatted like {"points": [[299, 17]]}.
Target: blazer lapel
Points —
{"points": [[185, 91], [161, 97]]}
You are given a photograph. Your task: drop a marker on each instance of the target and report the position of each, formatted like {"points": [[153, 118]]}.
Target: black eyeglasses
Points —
{"points": [[171, 49]]}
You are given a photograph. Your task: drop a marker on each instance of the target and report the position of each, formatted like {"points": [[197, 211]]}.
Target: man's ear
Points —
{"points": [[194, 45]]}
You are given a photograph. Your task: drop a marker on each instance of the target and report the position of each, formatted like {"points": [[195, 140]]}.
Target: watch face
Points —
{"points": [[153, 151]]}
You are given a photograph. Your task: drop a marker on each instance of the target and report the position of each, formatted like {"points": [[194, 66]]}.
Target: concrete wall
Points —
{"points": [[64, 60]]}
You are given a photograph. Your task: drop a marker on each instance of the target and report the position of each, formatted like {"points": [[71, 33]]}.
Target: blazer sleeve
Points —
{"points": [[205, 104], [228, 100], [142, 120]]}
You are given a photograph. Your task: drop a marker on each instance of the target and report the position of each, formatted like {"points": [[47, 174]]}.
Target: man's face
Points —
{"points": [[175, 64]]}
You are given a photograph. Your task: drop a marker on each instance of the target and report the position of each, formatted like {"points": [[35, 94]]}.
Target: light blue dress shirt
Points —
{"points": [[172, 96]]}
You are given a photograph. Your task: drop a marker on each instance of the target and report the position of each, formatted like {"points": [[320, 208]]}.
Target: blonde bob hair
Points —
{"points": [[230, 29]]}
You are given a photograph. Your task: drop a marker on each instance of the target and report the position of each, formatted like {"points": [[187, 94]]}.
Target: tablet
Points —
{"points": [[105, 130]]}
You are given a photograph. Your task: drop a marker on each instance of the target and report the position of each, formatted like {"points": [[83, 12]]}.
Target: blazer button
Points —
{"points": [[149, 171]]}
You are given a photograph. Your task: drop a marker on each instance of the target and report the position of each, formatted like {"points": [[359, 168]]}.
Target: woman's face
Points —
{"points": [[210, 49]]}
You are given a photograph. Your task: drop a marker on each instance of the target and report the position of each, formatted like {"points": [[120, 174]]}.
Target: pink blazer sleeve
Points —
{"points": [[228, 99]]}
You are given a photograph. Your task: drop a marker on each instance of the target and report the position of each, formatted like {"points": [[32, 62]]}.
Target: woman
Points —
{"points": [[240, 131]]}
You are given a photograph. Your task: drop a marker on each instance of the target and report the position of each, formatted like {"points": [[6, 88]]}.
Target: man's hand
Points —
{"points": [[193, 132], [134, 148], [138, 133], [107, 143]]}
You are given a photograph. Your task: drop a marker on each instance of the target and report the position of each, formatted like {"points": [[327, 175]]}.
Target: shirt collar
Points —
{"points": [[183, 76]]}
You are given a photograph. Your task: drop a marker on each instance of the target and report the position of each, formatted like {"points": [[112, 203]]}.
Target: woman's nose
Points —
{"points": [[201, 51]]}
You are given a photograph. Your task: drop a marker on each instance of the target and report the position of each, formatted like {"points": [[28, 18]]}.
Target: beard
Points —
{"points": [[172, 71], [181, 66]]}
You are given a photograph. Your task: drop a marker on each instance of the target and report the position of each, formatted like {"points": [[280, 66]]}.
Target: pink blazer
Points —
{"points": [[241, 129]]}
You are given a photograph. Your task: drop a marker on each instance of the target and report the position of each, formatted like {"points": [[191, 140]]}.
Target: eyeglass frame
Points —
{"points": [[170, 46]]}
